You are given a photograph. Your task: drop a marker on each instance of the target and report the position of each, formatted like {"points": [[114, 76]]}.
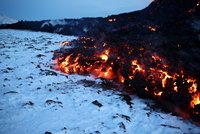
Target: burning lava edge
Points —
{"points": [[138, 69]]}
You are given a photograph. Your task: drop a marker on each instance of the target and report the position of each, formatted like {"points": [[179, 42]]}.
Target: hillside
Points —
{"points": [[153, 52]]}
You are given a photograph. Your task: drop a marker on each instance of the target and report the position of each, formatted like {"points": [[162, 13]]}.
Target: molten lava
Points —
{"points": [[127, 65], [195, 100]]}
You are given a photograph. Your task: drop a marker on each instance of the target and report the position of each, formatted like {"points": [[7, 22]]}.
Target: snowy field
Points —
{"points": [[34, 99]]}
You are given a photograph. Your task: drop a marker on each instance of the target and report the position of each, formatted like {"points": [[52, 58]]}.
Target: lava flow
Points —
{"points": [[140, 71]]}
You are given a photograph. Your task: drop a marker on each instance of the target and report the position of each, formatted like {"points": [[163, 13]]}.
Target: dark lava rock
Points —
{"points": [[30, 103], [127, 99], [47, 132], [11, 92], [97, 103], [49, 102]]}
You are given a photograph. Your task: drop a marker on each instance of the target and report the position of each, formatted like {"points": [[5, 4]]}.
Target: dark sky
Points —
{"points": [[57, 9]]}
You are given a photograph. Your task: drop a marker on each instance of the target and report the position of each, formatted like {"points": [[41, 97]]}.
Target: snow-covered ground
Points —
{"points": [[35, 99], [6, 20], [55, 22]]}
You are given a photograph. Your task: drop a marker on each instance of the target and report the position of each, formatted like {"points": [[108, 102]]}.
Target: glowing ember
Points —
{"points": [[112, 20], [105, 54], [175, 87], [193, 87], [195, 99], [158, 94], [104, 57], [151, 28], [156, 58], [164, 77], [65, 43], [121, 79], [136, 66]]}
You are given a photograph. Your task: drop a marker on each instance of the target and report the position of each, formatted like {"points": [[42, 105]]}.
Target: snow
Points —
{"points": [[6, 20], [35, 99], [55, 22]]}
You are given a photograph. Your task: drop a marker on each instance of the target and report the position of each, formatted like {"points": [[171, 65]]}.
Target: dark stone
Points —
{"points": [[47, 132], [127, 99], [97, 103]]}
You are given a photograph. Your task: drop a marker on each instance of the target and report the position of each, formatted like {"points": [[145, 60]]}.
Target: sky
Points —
{"points": [[58, 9]]}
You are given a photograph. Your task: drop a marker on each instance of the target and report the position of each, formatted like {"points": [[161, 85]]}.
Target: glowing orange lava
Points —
{"points": [[114, 66], [195, 100]]}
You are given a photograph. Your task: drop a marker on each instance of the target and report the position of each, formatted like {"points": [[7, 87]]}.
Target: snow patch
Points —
{"points": [[6, 20], [55, 22]]}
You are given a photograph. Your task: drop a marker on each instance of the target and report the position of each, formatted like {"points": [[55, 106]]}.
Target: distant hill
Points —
{"points": [[6, 20]]}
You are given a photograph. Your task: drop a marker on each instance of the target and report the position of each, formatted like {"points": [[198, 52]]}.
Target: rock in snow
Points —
{"points": [[35, 99]]}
